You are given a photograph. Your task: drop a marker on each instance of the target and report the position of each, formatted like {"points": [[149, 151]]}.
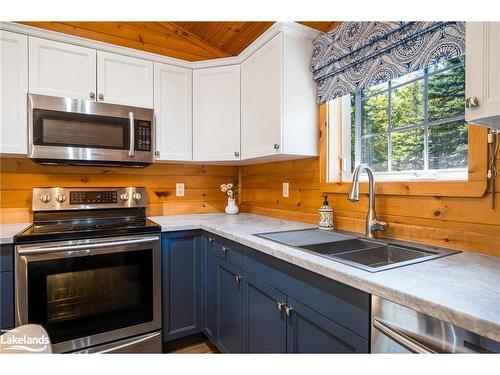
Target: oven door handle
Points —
{"points": [[132, 134], [401, 338], [80, 247]]}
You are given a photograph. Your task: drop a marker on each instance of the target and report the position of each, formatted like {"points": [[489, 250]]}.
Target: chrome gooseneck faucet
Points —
{"points": [[373, 225]]}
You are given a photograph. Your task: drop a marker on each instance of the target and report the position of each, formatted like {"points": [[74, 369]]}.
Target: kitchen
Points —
{"points": [[250, 187]]}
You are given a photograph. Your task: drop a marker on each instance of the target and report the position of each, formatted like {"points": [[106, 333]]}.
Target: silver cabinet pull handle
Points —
{"points": [[225, 249], [132, 134], [401, 338], [237, 278], [280, 305], [472, 102], [276, 146], [210, 239], [288, 310], [101, 96], [92, 95]]}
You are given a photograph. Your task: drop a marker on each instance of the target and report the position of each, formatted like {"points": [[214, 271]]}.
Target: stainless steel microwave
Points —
{"points": [[71, 131]]}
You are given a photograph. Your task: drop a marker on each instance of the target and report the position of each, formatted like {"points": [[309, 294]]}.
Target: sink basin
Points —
{"points": [[342, 246], [384, 257], [368, 255]]}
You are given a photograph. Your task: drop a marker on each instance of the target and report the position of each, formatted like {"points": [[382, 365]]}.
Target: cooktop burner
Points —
{"points": [[58, 218]]}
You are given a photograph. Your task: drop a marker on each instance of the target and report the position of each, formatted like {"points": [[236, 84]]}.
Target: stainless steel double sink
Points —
{"points": [[369, 255]]}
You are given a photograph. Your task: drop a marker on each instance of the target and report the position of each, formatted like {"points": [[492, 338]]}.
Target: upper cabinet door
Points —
{"points": [[173, 111], [261, 100], [216, 113], [14, 87], [124, 80], [482, 70], [60, 69]]}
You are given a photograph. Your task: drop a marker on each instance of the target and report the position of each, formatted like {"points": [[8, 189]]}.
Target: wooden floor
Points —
{"points": [[196, 344]]}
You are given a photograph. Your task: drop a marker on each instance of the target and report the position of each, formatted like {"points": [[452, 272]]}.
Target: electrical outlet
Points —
{"points": [[179, 189], [286, 189]]}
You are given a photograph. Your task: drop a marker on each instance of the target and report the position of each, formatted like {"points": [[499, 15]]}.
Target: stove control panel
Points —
{"points": [[57, 198], [93, 197]]}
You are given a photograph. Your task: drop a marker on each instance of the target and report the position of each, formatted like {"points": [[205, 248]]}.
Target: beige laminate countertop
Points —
{"points": [[8, 231], [463, 289]]}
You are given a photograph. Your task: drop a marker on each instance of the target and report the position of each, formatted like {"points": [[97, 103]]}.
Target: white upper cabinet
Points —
{"points": [[482, 87], [216, 113], [278, 100], [173, 112], [60, 69], [14, 88], [124, 80], [261, 100]]}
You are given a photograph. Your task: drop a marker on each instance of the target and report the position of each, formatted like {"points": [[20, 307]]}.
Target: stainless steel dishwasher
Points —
{"points": [[398, 329]]}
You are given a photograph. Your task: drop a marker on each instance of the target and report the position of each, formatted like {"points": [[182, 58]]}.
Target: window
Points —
{"points": [[409, 128]]}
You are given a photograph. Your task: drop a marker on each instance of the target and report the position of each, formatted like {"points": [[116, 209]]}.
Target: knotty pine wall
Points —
{"points": [[461, 223], [19, 175]]}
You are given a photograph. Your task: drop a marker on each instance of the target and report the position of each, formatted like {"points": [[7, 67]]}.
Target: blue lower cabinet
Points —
{"points": [[228, 303], [264, 320], [310, 332], [208, 275], [6, 300], [181, 284]]}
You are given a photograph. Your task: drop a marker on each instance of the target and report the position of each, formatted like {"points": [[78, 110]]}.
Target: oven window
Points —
{"points": [[53, 128], [82, 296]]}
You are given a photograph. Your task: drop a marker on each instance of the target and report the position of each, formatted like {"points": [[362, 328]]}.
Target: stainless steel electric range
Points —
{"points": [[88, 270]]}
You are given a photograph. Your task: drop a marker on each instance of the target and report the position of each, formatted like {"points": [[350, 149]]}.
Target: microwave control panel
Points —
{"points": [[142, 135]]}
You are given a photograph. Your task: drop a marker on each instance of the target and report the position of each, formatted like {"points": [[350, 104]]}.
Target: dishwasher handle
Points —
{"points": [[402, 338]]}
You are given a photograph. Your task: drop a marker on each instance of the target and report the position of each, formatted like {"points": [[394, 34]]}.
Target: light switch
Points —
{"points": [[179, 189], [286, 189]]}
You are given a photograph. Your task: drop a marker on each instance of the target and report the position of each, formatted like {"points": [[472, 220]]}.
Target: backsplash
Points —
{"points": [[461, 223], [202, 185]]}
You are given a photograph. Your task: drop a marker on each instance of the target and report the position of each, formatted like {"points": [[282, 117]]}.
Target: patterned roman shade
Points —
{"points": [[357, 55]]}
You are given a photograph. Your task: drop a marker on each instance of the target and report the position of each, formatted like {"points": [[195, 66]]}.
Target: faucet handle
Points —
{"points": [[378, 225]]}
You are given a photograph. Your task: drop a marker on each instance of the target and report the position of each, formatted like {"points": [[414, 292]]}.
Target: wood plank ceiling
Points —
{"points": [[192, 41]]}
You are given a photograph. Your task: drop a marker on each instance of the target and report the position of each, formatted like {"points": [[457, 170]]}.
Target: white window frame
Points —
{"points": [[339, 146]]}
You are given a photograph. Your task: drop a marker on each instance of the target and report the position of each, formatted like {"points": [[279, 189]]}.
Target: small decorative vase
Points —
{"points": [[231, 208]]}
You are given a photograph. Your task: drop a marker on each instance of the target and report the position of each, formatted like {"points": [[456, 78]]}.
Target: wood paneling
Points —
{"points": [[18, 176], [192, 41], [466, 223]]}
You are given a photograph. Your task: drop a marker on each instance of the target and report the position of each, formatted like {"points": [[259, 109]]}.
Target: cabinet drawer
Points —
{"points": [[227, 250], [347, 306], [6, 257], [6, 300]]}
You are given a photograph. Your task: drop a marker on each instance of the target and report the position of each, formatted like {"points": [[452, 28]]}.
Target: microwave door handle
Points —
{"points": [[401, 338], [132, 134]]}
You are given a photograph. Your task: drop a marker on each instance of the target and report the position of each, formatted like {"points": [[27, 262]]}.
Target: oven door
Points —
{"points": [[63, 130], [90, 292]]}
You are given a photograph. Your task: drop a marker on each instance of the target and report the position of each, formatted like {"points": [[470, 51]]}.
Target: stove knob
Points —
{"points": [[124, 197], [45, 198], [61, 197], [137, 196]]}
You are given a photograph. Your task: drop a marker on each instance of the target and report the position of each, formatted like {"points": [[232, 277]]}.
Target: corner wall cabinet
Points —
{"points": [[254, 303], [482, 87], [216, 114], [278, 108], [173, 112], [14, 87]]}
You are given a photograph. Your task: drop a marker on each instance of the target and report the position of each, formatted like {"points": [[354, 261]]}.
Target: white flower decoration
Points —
{"points": [[230, 193], [229, 186], [224, 188]]}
